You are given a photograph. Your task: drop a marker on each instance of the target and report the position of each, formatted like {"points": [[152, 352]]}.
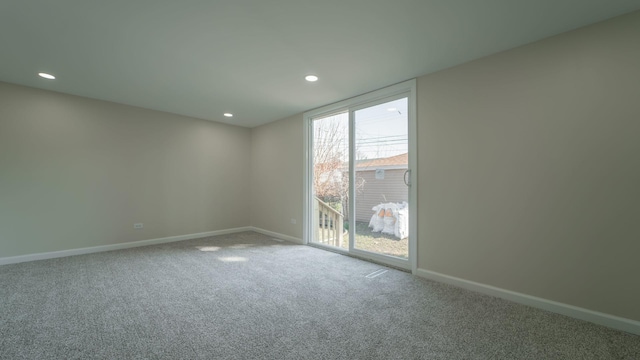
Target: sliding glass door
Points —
{"points": [[381, 169], [359, 198]]}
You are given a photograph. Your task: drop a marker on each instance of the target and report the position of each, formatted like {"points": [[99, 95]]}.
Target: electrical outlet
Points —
{"points": [[138, 226], [293, 221]]}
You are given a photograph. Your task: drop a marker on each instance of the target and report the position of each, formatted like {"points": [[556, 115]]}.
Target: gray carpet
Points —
{"points": [[245, 296]]}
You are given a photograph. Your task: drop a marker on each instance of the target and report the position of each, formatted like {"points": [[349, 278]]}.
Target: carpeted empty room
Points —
{"points": [[319, 179], [250, 296]]}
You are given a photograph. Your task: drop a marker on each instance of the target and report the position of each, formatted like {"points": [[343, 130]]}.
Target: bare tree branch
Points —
{"points": [[331, 161]]}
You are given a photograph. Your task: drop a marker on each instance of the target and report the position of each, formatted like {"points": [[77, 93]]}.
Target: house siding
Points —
{"points": [[390, 189]]}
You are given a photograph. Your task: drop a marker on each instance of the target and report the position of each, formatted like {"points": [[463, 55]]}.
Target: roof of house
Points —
{"points": [[397, 160]]}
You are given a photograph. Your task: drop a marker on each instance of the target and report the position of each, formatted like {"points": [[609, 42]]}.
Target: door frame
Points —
{"points": [[408, 89]]}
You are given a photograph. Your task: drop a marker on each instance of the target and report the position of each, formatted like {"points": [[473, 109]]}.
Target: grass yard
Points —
{"points": [[377, 242]]}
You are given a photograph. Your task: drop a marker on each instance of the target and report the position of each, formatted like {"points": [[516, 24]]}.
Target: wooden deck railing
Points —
{"points": [[329, 224]]}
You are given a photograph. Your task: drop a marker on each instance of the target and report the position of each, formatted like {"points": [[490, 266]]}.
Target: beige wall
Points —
{"points": [[277, 163], [77, 173], [529, 169]]}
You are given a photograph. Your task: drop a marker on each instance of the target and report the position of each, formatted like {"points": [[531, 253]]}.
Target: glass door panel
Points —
{"points": [[381, 188], [330, 181]]}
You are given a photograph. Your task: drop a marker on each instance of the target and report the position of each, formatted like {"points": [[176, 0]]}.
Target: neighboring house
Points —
{"points": [[387, 186]]}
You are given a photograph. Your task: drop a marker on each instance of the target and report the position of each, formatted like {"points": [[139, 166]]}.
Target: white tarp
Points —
{"points": [[391, 218]]}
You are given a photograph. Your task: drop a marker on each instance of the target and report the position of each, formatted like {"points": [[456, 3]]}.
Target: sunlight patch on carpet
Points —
{"points": [[207, 248]]}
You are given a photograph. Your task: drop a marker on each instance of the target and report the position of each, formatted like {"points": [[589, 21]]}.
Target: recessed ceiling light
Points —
{"points": [[392, 109], [47, 76], [228, 114], [311, 78]]}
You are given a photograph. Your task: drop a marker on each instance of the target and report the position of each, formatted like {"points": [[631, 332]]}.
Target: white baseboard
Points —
{"points": [[612, 321], [110, 247], [276, 235]]}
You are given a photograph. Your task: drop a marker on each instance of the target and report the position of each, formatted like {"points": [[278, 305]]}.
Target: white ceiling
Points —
{"points": [[202, 58]]}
